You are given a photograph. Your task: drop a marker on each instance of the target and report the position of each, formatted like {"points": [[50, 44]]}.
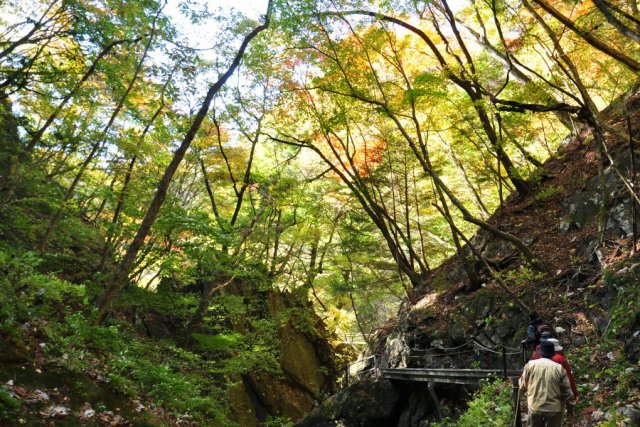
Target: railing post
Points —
{"points": [[436, 401], [346, 377], [376, 370], [504, 362]]}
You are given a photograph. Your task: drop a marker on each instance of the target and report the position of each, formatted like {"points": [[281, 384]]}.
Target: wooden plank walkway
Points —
{"points": [[447, 376]]}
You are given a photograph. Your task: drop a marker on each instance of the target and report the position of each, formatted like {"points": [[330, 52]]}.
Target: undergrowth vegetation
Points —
{"points": [[490, 406], [608, 367], [208, 211], [53, 316]]}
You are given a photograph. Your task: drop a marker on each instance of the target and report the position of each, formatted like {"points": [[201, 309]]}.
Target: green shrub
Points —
{"points": [[174, 378], [218, 342], [174, 304], [8, 405], [490, 406], [77, 333], [278, 422], [27, 294], [548, 192]]}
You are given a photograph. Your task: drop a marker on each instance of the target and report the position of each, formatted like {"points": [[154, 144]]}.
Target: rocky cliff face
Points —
{"points": [[447, 327], [306, 360]]}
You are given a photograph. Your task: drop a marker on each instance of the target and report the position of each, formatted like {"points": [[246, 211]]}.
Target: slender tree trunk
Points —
{"points": [[209, 289], [468, 264], [116, 214], [607, 11], [358, 321], [103, 204], [53, 222], [635, 12], [247, 175], [521, 185], [632, 178], [535, 162], [212, 199], [27, 38], [477, 200], [603, 212], [501, 282], [276, 242], [125, 185], [423, 251]]}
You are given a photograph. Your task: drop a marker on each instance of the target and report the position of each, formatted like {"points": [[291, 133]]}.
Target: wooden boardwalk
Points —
{"points": [[447, 376]]}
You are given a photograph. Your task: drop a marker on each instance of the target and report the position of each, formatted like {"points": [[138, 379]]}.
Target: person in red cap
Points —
{"points": [[547, 387]]}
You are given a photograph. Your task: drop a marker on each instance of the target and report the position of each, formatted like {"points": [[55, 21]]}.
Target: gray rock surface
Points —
{"points": [[368, 403]]}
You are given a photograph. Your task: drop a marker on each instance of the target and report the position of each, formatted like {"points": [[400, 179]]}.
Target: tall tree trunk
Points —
{"points": [[632, 178]]}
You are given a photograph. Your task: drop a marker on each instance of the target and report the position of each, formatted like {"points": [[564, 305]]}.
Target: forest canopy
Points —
{"points": [[346, 148]]}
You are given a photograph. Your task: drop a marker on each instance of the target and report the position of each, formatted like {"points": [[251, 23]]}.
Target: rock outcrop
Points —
{"points": [[368, 403], [306, 361]]}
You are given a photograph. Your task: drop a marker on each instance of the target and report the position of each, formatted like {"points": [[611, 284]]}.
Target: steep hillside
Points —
{"points": [[588, 291]]}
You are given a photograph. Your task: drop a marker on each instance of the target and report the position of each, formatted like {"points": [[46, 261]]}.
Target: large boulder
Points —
{"points": [[583, 205], [368, 403]]}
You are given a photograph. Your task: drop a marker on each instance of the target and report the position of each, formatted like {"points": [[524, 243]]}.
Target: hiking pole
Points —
{"points": [[517, 420]]}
